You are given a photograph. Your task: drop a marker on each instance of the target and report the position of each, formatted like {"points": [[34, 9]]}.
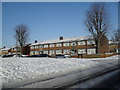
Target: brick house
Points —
{"points": [[25, 49], [68, 46], [5, 51], [114, 47]]}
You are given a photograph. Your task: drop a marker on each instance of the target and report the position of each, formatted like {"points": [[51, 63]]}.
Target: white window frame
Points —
{"points": [[52, 52], [81, 51], [81, 42], [58, 51], [36, 52], [58, 44], [14, 49], [90, 42], [91, 51], [36, 47], [73, 43], [32, 47], [52, 45], [66, 51], [32, 52], [66, 44], [41, 52], [45, 51], [45, 45], [41, 46]]}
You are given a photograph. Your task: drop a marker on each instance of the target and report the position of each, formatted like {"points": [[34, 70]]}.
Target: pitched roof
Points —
{"points": [[5, 49], [64, 40]]}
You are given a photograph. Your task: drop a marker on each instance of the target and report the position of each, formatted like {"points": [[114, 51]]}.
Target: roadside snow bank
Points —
{"points": [[20, 71]]}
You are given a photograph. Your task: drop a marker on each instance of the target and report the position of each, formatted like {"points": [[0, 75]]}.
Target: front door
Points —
{"points": [[73, 52]]}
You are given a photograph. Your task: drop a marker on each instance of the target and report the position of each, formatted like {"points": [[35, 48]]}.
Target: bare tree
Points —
{"points": [[97, 23], [116, 37], [21, 35]]}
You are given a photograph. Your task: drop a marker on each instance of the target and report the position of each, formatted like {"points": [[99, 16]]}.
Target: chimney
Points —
{"points": [[61, 38], [35, 41]]}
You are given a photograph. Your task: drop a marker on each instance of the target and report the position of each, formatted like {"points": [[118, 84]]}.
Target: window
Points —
{"points": [[81, 42], [41, 52], [58, 44], [66, 51], [32, 53], [45, 52], [51, 45], [36, 47], [89, 42], [58, 51], [73, 52], [65, 44], [14, 49], [91, 51], [81, 51], [32, 47], [46, 46], [41, 46], [36, 52], [73, 43], [52, 52]]}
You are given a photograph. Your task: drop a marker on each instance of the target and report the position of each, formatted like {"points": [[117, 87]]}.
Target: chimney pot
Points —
{"points": [[35, 41], [61, 38]]}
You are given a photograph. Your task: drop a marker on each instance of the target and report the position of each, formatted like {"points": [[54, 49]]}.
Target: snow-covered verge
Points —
{"points": [[16, 72]]}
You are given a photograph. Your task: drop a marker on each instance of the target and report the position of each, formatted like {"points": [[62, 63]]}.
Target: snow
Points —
{"points": [[5, 49], [64, 40], [26, 70]]}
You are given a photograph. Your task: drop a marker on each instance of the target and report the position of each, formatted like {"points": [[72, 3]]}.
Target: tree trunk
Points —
{"points": [[98, 47], [21, 47]]}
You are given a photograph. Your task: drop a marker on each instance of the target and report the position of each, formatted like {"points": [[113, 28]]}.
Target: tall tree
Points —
{"points": [[21, 35], [97, 23], [116, 37]]}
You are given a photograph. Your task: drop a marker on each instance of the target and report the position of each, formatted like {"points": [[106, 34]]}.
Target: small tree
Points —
{"points": [[21, 35], [97, 23]]}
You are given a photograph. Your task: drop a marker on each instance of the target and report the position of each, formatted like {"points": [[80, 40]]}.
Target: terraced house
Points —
{"points": [[16, 49], [68, 46], [74, 47], [4, 51]]}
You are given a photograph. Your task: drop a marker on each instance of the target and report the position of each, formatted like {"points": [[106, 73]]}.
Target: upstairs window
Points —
{"points": [[32, 47], [59, 45], [81, 42], [45, 46], [52, 45], [36, 47], [41, 46], [90, 42], [73, 43], [66, 44]]}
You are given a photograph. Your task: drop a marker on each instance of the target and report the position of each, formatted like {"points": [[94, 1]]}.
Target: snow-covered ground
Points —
{"points": [[19, 70]]}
